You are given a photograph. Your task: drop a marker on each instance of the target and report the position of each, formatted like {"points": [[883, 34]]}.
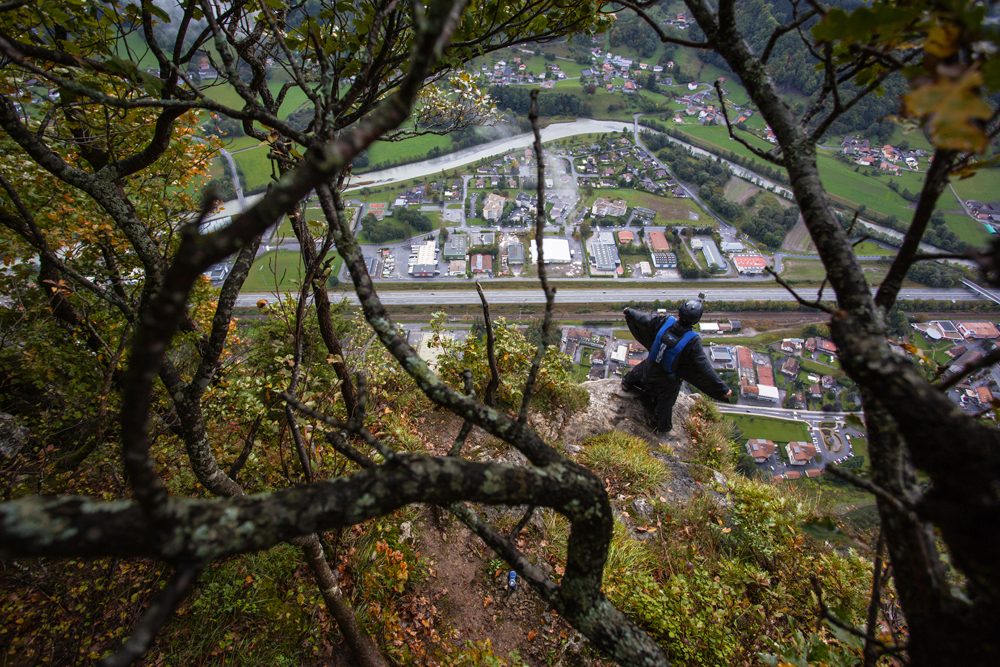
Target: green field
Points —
{"points": [[852, 188], [286, 264], [810, 366], [796, 271], [240, 143], [984, 186], [256, 168], [223, 93], [868, 249], [769, 428], [413, 149]]}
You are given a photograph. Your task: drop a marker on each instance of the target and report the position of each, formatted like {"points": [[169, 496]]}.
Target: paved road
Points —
{"points": [[587, 296]]}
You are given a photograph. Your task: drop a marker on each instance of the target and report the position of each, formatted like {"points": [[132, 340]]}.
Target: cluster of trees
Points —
{"points": [[937, 232], [518, 100], [931, 274], [771, 222], [695, 170], [390, 229], [633, 32]]}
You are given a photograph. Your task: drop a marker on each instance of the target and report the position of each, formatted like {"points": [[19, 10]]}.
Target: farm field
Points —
{"points": [[798, 240], [867, 249], [668, 209], [984, 186], [812, 271], [853, 188], [739, 191], [256, 168]]}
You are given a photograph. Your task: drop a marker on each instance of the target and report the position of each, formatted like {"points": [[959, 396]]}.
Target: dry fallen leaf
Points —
{"points": [[727, 530], [531, 635], [488, 600]]}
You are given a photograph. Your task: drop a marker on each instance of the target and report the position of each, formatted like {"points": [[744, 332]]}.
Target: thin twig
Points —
{"points": [[773, 159], [550, 292], [992, 357], [463, 433], [666, 39], [241, 460], [523, 522], [926, 256], [811, 304], [154, 618], [781, 30], [901, 506], [339, 443], [351, 426], [871, 650], [832, 618], [490, 397]]}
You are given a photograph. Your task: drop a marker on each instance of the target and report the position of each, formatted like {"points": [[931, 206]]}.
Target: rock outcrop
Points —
{"points": [[613, 409], [13, 436]]}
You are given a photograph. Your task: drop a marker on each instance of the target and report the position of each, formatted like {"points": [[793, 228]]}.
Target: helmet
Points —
{"points": [[691, 312]]}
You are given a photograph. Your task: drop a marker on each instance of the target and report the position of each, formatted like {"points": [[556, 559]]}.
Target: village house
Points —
{"points": [[493, 208], [799, 453], [760, 450], [607, 208]]}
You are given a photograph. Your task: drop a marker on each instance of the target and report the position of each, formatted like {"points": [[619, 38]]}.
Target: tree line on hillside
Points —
{"points": [[632, 32], [794, 68], [518, 100]]}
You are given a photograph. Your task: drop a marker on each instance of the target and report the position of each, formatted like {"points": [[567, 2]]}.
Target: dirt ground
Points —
{"points": [[464, 593]]}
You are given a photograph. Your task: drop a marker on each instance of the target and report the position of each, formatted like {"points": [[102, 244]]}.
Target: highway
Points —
{"points": [[588, 296]]}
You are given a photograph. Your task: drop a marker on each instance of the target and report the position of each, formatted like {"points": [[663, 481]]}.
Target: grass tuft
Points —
{"points": [[625, 457]]}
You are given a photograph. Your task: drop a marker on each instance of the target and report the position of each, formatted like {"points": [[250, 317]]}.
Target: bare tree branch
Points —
{"points": [[155, 618], [769, 157], [871, 487], [987, 360], [467, 426], [784, 29], [791, 290], [934, 184], [490, 397], [550, 292], [638, 8]]}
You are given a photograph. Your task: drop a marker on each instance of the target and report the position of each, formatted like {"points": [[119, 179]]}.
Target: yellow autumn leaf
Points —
{"points": [[953, 110], [942, 39]]}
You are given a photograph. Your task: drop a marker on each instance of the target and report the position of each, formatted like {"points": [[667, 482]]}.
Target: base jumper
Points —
{"points": [[675, 354]]}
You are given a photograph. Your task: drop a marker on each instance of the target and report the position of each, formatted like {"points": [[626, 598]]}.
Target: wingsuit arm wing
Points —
{"points": [[699, 372], [643, 326]]}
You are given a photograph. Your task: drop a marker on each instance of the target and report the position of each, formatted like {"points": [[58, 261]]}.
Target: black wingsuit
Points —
{"points": [[692, 366]]}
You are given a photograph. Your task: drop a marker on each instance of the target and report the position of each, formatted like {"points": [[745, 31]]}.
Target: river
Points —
{"points": [[476, 153]]}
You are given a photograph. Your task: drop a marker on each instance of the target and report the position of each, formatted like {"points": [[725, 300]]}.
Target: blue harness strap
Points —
{"points": [[666, 355]]}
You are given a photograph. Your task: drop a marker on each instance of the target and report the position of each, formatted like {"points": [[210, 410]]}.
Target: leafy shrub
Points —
{"points": [[555, 386]]}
